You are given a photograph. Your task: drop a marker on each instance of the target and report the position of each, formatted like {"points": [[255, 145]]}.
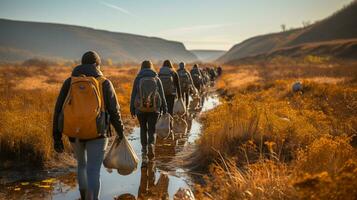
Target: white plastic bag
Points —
{"points": [[163, 126], [195, 103], [180, 125], [122, 157], [179, 107], [184, 194]]}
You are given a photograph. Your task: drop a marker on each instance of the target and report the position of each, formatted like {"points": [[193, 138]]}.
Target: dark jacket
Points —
{"points": [[146, 73], [176, 81], [189, 74], [109, 96], [196, 70]]}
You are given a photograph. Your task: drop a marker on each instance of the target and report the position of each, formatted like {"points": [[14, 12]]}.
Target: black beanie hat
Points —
{"points": [[91, 57]]}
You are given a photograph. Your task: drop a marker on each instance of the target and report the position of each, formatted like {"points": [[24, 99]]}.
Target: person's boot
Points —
{"points": [[144, 161], [144, 156], [83, 194]]}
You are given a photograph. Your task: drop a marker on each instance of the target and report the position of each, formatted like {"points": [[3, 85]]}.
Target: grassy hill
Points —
{"points": [[22, 40], [331, 36]]}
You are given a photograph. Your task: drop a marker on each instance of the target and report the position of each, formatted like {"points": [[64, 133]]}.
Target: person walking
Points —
{"points": [[186, 83], [147, 102], [85, 108], [212, 74], [219, 70], [197, 77], [171, 84]]}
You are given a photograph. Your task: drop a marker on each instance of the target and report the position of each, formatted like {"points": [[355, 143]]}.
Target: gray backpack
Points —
{"points": [[185, 81], [149, 99], [196, 77], [167, 80]]}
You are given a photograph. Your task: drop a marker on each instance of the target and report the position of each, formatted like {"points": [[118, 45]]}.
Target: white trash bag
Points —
{"points": [[180, 125], [122, 157], [163, 126], [195, 103], [179, 107], [184, 194]]}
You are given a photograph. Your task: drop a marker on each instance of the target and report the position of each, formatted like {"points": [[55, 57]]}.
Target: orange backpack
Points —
{"points": [[84, 108]]}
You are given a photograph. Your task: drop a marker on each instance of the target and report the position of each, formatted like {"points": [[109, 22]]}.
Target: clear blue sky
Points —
{"points": [[199, 24]]}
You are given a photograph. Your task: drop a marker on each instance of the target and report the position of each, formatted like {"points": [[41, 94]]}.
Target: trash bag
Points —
{"points": [[122, 157], [126, 196], [163, 126], [179, 107], [180, 125], [195, 103], [184, 194]]}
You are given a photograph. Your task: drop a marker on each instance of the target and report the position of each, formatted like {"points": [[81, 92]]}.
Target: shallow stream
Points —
{"points": [[160, 180]]}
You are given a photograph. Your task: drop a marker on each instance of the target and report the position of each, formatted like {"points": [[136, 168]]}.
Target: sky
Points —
{"points": [[199, 24]]}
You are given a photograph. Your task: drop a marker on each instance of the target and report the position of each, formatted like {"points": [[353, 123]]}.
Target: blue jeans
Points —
{"points": [[89, 155]]}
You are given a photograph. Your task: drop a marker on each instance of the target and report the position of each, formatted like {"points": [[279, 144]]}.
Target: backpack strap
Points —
{"points": [[68, 94], [101, 80]]}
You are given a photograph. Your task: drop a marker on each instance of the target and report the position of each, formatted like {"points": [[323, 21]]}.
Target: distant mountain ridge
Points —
{"points": [[334, 36], [21, 40], [208, 55]]}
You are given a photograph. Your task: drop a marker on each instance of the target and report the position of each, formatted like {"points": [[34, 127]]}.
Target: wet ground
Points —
{"points": [[161, 179]]}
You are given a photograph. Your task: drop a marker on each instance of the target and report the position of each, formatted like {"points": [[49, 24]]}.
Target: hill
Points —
{"points": [[334, 30], [22, 40], [208, 55]]}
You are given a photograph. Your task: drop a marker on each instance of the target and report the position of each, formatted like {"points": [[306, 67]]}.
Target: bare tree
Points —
{"points": [[283, 27]]}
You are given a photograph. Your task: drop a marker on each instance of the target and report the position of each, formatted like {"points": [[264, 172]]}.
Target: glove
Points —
{"points": [[58, 146]]}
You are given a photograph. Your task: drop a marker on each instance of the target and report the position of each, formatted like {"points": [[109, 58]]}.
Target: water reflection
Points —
{"points": [[148, 188], [161, 179]]}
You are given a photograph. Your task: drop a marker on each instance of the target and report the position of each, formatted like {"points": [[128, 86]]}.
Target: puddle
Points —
{"points": [[160, 180]]}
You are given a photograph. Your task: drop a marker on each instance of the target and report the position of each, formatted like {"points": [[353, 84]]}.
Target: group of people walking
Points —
{"points": [[88, 93]]}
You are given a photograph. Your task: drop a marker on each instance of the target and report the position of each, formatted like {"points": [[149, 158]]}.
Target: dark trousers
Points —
{"points": [[170, 100], [186, 99], [147, 127]]}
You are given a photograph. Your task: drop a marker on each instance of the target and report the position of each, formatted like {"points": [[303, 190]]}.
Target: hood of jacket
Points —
{"points": [[87, 70], [147, 73], [182, 69]]}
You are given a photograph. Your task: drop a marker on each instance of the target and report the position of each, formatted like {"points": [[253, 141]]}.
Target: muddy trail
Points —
{"points": [[160, 180]]}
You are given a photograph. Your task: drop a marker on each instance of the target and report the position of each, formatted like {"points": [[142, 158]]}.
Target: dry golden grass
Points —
{"points": [[276, 144], [261, 180], [27, 99]]}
